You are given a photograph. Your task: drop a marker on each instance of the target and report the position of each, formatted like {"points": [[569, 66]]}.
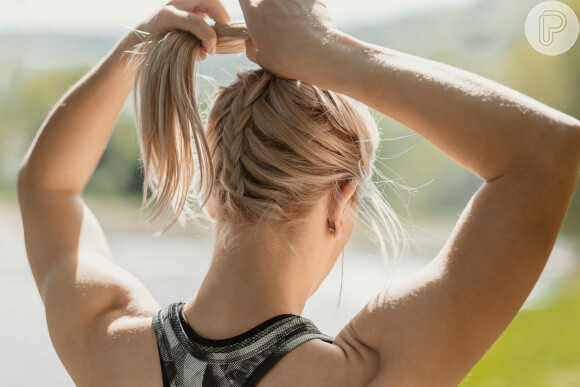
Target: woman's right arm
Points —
{"points": [[484, 126], [433, 329]]}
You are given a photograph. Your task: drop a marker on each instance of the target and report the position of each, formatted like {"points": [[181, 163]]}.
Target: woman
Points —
{"points": [[109, 331]]}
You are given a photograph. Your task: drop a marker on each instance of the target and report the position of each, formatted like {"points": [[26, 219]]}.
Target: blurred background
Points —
{"points": [[46, 46]]}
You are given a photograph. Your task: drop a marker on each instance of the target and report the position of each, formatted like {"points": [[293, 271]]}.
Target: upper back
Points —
{"points": [[286, 350], [191, 360]]}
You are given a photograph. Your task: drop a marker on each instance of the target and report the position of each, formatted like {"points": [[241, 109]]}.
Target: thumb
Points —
{"points": [[251, 51]]}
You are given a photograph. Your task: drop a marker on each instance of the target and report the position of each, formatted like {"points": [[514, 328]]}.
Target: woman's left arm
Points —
{"points": [[68, 253], [57, 167]]}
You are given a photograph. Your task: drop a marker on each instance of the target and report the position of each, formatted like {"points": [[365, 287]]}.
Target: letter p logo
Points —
{"points": [[552, 22], [552, 28]]}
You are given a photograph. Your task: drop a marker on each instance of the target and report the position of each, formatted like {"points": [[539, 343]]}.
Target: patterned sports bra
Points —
{"points": [[189, 360]]}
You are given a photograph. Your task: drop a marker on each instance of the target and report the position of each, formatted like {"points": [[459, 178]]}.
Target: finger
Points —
{"points": [[217, 12], [191, 22], [213, 8]]}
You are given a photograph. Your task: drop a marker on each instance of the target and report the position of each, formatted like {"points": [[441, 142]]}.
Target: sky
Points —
{"points": [[108, 17]]}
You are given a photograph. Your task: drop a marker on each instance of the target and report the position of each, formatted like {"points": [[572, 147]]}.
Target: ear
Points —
{"points": [[210, 208], [338, 204]]}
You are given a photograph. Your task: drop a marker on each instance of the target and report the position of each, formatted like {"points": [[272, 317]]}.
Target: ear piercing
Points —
{"points": [[332, 228]]}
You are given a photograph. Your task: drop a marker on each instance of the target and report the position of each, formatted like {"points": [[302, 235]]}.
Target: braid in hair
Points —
{"points": [[273, 149], [237, 133]]}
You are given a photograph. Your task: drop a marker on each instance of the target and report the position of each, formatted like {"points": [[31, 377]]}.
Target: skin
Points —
{"points": [[429, 331]]}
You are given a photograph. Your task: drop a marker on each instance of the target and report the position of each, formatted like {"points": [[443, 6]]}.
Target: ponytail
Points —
{"points": [[273, 148], [168, 119]]}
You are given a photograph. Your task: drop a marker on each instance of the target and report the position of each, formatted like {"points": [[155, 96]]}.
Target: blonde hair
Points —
{"points": [[273, 147]]}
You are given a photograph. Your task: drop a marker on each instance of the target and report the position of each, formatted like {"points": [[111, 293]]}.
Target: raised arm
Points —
{"points": [[435, 327], [484, 126], [84, 293], [71, 141]]}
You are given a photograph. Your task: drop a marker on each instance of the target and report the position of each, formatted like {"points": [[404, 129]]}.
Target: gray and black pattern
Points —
{"points": [[192, 361]]}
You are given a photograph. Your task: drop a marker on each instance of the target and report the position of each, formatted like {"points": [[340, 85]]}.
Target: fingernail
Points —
{"points": [[212, 50]]}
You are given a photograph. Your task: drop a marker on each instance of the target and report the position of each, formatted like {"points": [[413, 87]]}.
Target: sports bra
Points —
{"points": [[189, 360]]}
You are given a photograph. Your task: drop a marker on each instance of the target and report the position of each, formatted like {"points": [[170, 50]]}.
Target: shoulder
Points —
{"points": [[128, 355], [346, 362], [121, 352]]}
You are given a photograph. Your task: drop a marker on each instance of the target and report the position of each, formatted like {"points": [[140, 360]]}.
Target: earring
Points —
{"points": [[332, 228]]}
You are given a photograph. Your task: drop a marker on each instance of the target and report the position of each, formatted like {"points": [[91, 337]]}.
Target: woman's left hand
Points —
{"points": [[188, 15]]}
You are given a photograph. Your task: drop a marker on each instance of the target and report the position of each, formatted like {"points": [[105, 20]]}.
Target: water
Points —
{"points": [[25, 338]]}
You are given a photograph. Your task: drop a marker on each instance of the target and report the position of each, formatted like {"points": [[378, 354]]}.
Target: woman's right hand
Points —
{"points": [[290, 37], [188, 15]]}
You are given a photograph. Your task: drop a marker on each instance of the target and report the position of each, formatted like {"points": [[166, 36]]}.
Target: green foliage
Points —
{"points": [[118, 171], [541, 347], [26, 101], [437, 185]]}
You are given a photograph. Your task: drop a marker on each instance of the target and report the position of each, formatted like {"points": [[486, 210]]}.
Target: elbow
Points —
{"points": [[565, 156], [574, 142], [556, 157], [24, 183], [21, 184], [576, 139], [575, 129], [548, 151]]}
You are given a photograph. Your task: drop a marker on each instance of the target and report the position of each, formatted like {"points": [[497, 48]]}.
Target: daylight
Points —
{"points": [[104, 17], [392, 203]]}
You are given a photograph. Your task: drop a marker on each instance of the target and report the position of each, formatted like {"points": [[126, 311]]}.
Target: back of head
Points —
{"points": [[280, 145], [273, 146]]}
